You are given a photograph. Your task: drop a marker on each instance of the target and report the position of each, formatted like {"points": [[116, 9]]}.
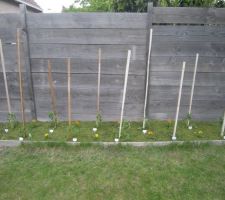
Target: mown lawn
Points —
{"points": [[95, 172], [132, 131]]}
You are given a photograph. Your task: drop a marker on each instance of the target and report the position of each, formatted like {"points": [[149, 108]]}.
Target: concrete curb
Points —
{"points": [[15, 143]]}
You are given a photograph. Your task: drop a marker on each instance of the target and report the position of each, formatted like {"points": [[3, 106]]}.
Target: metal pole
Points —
{"points": [[178, 103], [193, 86], [124, 90], [147, 78]]}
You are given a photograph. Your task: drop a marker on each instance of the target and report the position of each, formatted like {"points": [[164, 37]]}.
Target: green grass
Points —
{"points": [[132, 131], [94, 172]]}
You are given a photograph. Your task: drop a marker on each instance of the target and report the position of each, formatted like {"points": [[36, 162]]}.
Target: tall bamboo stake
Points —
{"points": [[223, 125], [52, 88], [178, 103], [147, 78], [20, 77], [99, 78], [193, 86], [5, 78], [124, 91], [69, 90]]}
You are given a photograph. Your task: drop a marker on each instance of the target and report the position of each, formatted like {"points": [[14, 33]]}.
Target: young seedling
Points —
{"points": [[54, 121], [12, 120]]}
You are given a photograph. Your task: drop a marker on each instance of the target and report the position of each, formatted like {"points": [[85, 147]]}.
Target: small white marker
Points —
{"points": [[144, 131], [190, 127], [20, 138], [174, 138], [94, 130], [51, 130], [6, 130], [116, 139], [74, 139]]}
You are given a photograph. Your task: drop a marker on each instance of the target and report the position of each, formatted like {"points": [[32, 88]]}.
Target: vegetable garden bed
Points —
{"points": [[108, 131]]}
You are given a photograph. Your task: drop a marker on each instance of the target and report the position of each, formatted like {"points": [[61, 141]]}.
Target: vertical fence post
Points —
{"points": [[27, 62], [148, 29]]}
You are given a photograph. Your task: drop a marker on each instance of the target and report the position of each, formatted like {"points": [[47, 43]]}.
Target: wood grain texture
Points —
{"points": [[88, 20], [186, 15], [88, 36]]}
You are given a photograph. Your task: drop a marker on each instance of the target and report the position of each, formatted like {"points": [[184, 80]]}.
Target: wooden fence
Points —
{"points": [[179, 33]]}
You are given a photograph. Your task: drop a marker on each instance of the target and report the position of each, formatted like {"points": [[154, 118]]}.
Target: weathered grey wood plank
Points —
{"points": [[88, 36], [88, 80], [211, 93], [86, 51], [109, 66], [90, 94], [186, 15], [202, 79], [8, 35], [10, 19], [87, 20], [188, 48]]}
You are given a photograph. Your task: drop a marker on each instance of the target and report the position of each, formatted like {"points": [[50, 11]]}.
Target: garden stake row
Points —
{"points": [[192, 91], [5, 78], [223, 126], [147, 79], [52, 87], [20, 77], [178, 103], [124, 90], [69, 90]]}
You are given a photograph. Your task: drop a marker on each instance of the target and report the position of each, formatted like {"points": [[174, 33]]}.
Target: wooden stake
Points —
{"points": [[20, 77], [99, 78], [52, 88], [5, 78], [223, 125], [69, 90], [124, 90], [147, 78], [193, 86], [178, 103]]}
